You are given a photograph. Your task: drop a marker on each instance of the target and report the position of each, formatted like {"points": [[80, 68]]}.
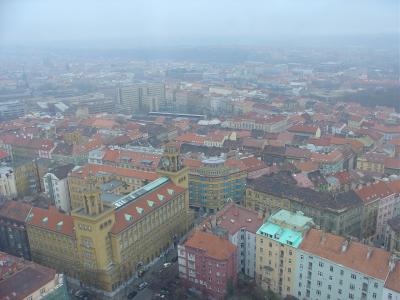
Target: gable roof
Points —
{"points": [[355, 257]]}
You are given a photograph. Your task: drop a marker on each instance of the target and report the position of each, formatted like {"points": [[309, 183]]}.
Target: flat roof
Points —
{"points": [[281, 235], [297, 219], [140, 192]]}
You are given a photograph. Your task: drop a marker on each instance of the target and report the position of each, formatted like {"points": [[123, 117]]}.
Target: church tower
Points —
{"points": [[171, 166]]}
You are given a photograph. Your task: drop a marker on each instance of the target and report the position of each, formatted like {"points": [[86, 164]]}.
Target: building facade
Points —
{"points": [[207, 263], [8, 187], [214, 184], [13, 233], [333, 267], [276, 244], [142, 97], [239, 225], [56, 186]]}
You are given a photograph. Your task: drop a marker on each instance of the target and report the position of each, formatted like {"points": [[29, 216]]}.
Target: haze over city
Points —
{"points": [[190, 150]]}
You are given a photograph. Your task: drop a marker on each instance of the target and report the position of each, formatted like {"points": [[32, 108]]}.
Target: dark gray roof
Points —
{"points": [[61, 172], [281, 185]]}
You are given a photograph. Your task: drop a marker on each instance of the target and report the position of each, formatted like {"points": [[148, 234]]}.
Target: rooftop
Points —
{"points": [[371, 261], [295, 220], [281, 234], [214, 246], [393, 280], [23, 277], [15, 210], [233, 217]]}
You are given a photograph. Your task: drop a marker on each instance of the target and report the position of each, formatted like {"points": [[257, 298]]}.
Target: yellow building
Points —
{"points": [[109, 241], [259, 200], [371, 162], [276, 244]]}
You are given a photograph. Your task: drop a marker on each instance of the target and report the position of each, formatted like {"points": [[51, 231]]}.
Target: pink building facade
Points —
{"points": [[207, 263]]}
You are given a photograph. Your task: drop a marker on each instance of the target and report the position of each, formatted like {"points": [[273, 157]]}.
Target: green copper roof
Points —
{"points": [[297, 220], [282, 235]]}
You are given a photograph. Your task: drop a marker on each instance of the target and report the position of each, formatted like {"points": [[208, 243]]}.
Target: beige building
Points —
{"points": [[276, 245]]}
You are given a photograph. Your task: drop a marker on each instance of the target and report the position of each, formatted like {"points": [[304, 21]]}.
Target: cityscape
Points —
{"points": [[233, 164]]}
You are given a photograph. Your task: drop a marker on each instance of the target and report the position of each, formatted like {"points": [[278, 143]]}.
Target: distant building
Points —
{"points": [[8, 185], [56, 186], [140, 97], [391, 290], [215, 183], [239, 225], [20, 279], [11, 109], [276, 244], [13, 234], [207, 263]]}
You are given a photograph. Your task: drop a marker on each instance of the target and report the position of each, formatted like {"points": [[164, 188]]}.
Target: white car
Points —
{"points": [[143, 285]]}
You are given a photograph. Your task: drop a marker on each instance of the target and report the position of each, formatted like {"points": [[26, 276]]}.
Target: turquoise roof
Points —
{"points": [[282, 235], [297, 220]]}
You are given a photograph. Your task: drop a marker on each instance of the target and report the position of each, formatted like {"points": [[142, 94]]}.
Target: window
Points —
{"points": [[353, 276], [289, 270], [374, 295], [331, 268], [329, 287], [290, 252], [330, 277], [319, 273], [321, 264], [341, 272], [352, 286], [318, 292], [376, 285], [340, 291], [319, 283], [42, 290], [341, 282], [351, 296]]}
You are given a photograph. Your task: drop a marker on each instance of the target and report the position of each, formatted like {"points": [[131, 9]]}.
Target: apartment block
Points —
{"points": [[276, 244], [208, 263]]}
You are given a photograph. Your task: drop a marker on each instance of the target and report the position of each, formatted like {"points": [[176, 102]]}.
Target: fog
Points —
{"points": [[173, 22]]}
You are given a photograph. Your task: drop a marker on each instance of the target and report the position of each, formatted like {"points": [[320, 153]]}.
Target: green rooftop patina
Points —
{"points": [[282, 235], [296, 220], [286, 227]]}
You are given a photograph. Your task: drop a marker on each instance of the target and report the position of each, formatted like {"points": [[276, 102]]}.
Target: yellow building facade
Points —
{"points": [[107, 243], [276, 244]]}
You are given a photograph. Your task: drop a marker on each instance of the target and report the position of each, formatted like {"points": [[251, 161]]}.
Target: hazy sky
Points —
{"points": [[35, 22]]}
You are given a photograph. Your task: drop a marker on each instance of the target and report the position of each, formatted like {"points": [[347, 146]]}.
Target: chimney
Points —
{"points": [[345, 245], [369, 253]]}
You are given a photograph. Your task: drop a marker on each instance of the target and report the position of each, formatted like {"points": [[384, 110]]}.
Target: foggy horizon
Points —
{"points": [[176, 23]]}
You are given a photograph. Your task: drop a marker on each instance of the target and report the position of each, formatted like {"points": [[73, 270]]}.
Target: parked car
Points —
{"points": [[82, 294], [166, 265], [143, 285], [132, 295]]}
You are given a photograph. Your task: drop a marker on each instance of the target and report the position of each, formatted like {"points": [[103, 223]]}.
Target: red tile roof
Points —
{"points": [[392, 163], [30, 143], [51, 219], [233, 217], [125, 172], [19, 279], [393, 280], [15, 210], [136, 210], [373, 192], [329, 246], [191, 138], [303, 129], [214, 246]]}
